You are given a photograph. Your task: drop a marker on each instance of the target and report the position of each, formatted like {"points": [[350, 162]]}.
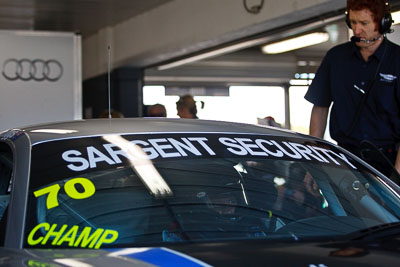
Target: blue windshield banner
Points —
{"points": [[158, 256]]}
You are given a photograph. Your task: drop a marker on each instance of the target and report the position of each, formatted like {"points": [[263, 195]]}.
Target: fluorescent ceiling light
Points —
{"points": [[396, 17], [296, 82], [216, 52], [296, 43]]}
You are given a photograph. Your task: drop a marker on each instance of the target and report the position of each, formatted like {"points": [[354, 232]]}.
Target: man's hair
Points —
{"points": [[157, 110], [187, 101], [377, 7], [114, 114]]}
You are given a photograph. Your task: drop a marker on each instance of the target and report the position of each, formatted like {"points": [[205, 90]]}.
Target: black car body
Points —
{"points": [[173, 192]]}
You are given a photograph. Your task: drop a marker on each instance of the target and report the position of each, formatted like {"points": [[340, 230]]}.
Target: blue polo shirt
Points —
{"points": [[342, 79]]}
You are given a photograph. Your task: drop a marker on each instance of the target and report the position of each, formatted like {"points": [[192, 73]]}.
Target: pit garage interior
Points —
{"points": [[141, 52]]}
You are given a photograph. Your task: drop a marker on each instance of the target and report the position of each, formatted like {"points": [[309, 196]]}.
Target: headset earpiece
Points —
{"points": [[348, 20], [386, 23]]}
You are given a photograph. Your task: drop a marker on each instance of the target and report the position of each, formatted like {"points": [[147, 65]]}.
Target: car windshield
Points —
{"points": [[130, 190]]}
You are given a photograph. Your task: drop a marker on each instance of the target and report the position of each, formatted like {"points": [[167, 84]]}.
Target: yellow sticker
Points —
{"points": [[87, 185], [72, 236], [70, 190], [52, 190], [35, 263]]}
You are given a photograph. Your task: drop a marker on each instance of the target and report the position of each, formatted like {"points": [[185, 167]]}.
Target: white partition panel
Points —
{"points": [[40, 79]]}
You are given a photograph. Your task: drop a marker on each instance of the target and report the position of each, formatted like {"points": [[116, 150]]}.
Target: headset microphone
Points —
{"points": [[355, 39]]}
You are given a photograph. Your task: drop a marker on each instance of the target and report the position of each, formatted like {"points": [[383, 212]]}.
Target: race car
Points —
{"points": [[184, 192]]}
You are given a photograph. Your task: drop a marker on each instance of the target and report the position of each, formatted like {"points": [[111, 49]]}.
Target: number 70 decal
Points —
{"points": [[70, 190]]}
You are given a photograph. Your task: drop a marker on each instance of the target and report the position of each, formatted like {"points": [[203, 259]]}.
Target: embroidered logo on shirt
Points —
{"points": [[387, 77], [359, 89]]}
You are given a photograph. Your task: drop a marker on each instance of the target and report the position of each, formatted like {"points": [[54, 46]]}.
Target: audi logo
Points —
{"points": [[32, 70]]}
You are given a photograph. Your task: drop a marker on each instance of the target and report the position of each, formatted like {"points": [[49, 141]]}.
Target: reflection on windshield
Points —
{"points": [[143, 167], [214, 199]]}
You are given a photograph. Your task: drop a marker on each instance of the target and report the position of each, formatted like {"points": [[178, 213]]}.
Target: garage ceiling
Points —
{"points": [[248, 66], [88, 16], [84, 16]]}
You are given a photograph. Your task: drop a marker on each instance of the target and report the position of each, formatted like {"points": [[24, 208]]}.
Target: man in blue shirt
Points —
{"points": [[360, 80]]}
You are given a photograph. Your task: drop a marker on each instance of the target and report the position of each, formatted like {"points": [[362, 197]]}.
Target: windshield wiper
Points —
{"points": [[374, 232]]}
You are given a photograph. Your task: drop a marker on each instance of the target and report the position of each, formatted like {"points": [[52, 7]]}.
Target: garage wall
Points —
{"points": [[182, 27]]}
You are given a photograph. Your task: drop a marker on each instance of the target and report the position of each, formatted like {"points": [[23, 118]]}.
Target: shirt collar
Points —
{"points": [[378, 53]]}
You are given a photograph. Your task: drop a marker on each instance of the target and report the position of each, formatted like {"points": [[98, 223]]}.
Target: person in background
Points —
{"points": [[156, 110], [361, 79], [113, 113], [186, 107], [269, 121]]}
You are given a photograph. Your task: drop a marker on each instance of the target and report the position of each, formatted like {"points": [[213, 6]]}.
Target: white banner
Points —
{"points": [[40, 79]]}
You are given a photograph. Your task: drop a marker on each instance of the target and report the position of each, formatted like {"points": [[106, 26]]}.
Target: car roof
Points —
{"points": [[95, 127]]}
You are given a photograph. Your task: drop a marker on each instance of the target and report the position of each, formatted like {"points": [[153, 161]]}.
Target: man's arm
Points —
{"points": [[319, 116], [397, 163]]}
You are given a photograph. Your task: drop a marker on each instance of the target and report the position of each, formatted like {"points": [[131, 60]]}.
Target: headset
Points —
{"points": [[385, 24]]}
